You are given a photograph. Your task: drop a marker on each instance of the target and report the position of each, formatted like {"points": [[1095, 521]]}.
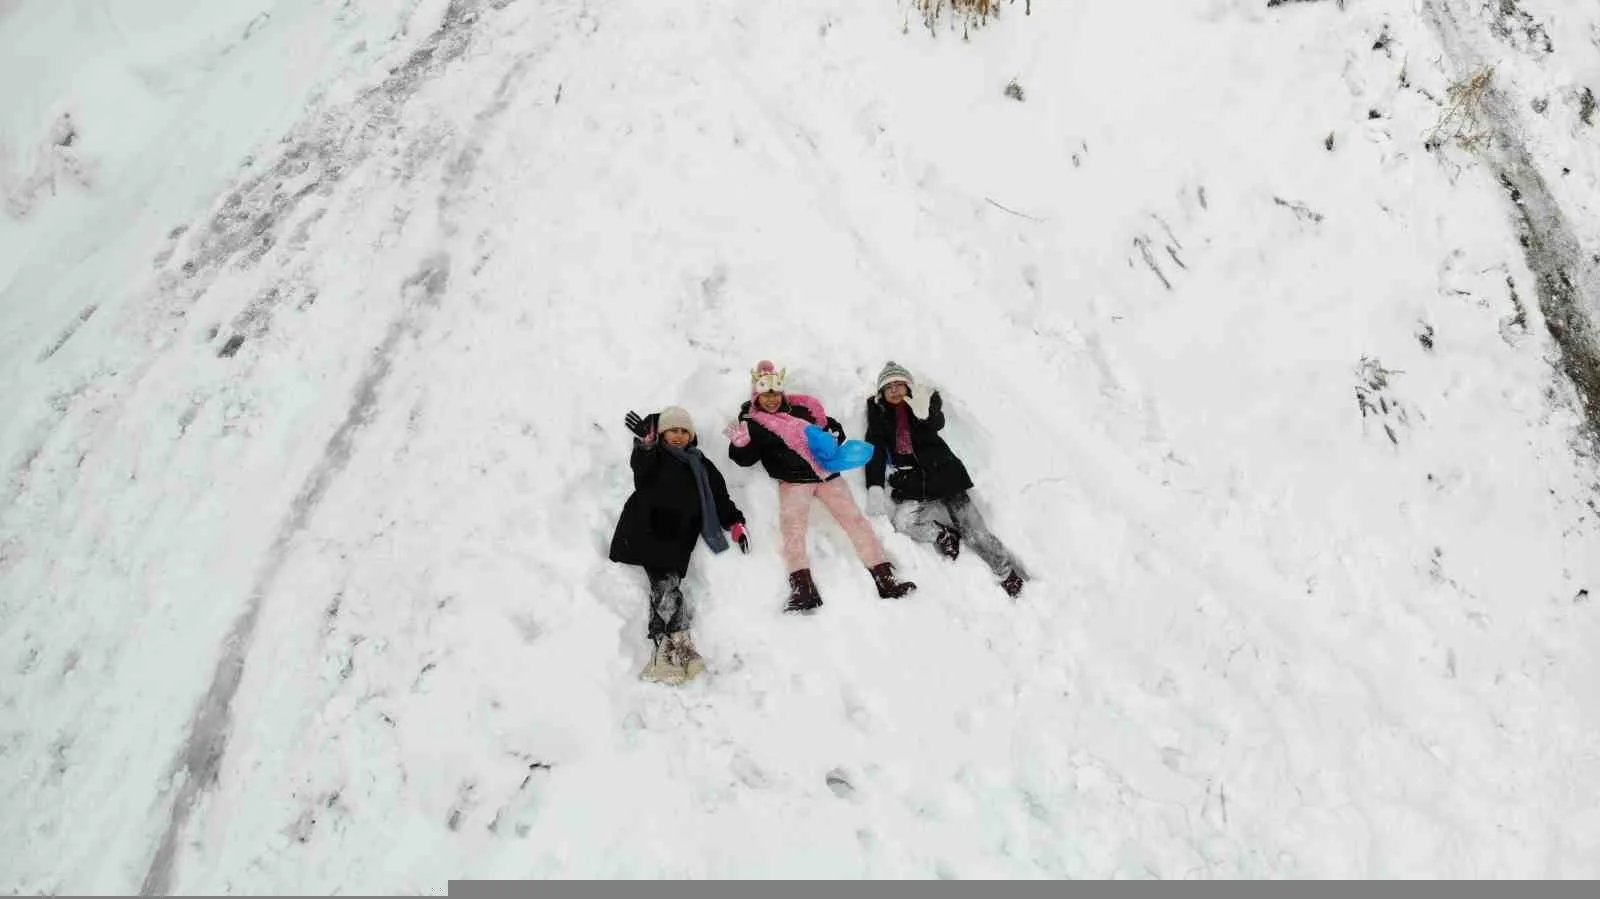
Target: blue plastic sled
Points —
{"points": [[836, 456]]}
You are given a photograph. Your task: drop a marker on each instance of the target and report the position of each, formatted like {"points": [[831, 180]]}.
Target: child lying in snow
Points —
{"points": [[772, 430], [678, 497], [929, 485]]}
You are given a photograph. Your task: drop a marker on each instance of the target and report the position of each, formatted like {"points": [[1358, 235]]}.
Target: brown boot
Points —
{"points": [[803, 595], [889, 588], [1013, 583]]}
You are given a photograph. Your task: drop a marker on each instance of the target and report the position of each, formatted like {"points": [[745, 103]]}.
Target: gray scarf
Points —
{"points": [[710, 524]]}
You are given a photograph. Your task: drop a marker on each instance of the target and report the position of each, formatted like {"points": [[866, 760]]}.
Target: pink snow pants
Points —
{"points": [[794, 514]]}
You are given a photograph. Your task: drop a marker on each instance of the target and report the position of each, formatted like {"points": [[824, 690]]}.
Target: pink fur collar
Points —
{"points": [[791, 429]]}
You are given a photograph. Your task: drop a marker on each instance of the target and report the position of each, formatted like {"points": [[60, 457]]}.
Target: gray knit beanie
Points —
{"points": [[892, 372]]}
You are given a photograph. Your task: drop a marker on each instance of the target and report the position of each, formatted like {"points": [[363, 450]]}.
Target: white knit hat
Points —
{"points": [[675, 417]]}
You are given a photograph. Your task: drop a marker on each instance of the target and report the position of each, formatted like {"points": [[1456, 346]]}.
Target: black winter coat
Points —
{"points": [[780, 461], [932, 471], [660, 522]]}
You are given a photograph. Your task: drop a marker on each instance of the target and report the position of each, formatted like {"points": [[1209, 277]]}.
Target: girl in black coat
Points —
{"points": [[679, 498], [929, 484]]}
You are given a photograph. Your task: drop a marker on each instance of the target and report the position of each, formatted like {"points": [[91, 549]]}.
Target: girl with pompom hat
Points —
{"points": [[929, 486]]}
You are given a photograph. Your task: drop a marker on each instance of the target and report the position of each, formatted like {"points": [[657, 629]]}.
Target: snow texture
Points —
{"points": [[318, 321]]}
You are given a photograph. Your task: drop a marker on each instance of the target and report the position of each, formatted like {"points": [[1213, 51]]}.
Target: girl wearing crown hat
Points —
{"points": [[771, 429]]}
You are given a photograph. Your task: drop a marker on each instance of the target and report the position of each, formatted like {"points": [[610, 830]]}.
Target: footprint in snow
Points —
{"points": [[749, 773], [971, 719], [857, 712]]}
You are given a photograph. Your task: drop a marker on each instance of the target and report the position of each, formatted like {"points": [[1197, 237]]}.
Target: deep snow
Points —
{"points": [[1277, 426]]}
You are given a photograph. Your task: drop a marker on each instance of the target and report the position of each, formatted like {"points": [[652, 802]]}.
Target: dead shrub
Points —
{"points": [[966, 14], [1464, 120]]}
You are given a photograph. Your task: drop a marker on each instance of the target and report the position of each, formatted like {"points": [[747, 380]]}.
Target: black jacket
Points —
{"points": [[660, 522], [932, 471], [780, 461]]}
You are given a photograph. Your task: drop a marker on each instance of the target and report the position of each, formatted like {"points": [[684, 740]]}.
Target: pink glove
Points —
{"points": [[738, 434], [740, 537]]}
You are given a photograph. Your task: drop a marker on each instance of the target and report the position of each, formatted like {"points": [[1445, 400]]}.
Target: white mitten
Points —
{"points": [[919, 400]]}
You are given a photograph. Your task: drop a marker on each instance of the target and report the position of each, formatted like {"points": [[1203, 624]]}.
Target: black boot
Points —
{"points": [[1012, 584], [803, 596], [889, 588], [948, 541]]}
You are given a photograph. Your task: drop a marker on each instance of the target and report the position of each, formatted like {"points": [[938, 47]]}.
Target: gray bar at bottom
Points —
{"points": [[920, 889]]}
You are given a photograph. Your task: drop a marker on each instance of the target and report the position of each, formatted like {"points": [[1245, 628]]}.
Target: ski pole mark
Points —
{"points": [[68, 332], [1143, 243]]}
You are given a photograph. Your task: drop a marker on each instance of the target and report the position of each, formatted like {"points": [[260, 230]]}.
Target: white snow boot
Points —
{"points": [[686, 655], [664, 667]]}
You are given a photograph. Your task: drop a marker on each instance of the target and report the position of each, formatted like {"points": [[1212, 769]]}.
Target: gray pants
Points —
{"points": [[920, 520], [668, 611]]}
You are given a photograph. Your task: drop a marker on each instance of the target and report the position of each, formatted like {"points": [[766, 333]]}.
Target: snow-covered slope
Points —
{"points": [[312, 446]]}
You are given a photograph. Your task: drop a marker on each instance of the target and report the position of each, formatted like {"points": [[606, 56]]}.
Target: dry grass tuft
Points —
{"points": [[1464, 120], [966, 14]]}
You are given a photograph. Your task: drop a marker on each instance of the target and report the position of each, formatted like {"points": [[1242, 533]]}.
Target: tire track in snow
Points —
{"points": [[250, 220], [257, 216], [200, 761], [1568, 285]]}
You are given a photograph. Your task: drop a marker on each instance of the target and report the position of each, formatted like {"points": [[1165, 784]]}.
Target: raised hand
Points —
{"points": [[920, 403], [738, 433], [634, 423]]}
